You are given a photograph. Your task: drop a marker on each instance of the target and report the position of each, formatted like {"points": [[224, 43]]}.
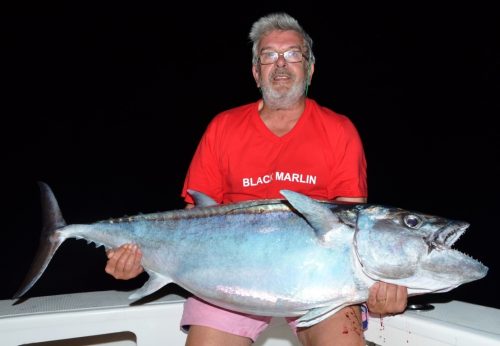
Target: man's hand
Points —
{"points": [[124, 262], [385, 298]]}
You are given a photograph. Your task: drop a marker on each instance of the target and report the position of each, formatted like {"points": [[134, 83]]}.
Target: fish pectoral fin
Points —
{"points": [[154, 283], [317, 315]]}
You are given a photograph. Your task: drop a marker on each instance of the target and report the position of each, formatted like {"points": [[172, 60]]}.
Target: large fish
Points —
{"points": [[291, 257]]}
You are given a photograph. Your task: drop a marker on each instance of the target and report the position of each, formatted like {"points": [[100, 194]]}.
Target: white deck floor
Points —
{"points": [[106, 318]]}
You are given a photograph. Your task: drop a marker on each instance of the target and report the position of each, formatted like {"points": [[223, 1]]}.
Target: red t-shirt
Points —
{"points": [[239, 158]]}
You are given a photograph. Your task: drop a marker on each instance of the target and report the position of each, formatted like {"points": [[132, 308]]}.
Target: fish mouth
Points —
{"points": [[446, 236]]}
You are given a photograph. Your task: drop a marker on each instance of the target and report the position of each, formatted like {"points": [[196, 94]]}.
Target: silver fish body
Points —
{"points": [[292, 257]]}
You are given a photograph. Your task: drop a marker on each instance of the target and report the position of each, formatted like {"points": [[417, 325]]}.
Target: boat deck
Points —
{"points": [[109, 318]]}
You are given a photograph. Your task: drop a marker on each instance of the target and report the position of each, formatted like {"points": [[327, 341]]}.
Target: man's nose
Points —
{"points": [[281, 61]]}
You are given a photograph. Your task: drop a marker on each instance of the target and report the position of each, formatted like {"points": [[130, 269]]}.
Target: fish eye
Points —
{"points": [[412, 221]]}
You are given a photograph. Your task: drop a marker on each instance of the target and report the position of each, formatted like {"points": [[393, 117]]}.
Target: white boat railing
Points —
{"points": [[108, 318]]}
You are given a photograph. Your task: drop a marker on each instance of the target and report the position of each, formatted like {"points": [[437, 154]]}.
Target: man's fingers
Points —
{"points": [[124, 262], [385, 298], [129, 262], [401, 298], [381, 293]]}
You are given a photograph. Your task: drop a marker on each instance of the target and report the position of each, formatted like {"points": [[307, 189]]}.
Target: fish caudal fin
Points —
{"points": [[50, 239]]}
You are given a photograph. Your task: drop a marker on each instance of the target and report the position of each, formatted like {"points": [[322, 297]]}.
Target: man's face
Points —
{"points": [[281, 80]]}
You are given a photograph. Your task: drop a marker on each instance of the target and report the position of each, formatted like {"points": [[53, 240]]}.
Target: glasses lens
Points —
{"points": [[293, 56], [268, 57]]}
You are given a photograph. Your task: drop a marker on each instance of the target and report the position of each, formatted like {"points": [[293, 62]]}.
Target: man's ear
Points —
{"points": [[256, 75], [309, 73]]}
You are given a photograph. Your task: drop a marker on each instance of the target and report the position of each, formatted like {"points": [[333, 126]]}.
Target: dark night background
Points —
{"points": [[107, 103]]}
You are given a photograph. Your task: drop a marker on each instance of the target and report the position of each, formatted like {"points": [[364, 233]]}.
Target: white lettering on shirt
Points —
{"points": [[280, 176]]}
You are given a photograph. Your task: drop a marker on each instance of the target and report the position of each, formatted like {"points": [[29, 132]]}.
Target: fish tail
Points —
{"points": [[50, 239]]}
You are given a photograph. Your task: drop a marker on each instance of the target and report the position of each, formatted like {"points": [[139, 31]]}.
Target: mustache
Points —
{"points": [[281, 71]]}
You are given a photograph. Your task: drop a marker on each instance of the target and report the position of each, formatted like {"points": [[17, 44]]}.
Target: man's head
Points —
{"points": [[283, 61], [278, 22]]}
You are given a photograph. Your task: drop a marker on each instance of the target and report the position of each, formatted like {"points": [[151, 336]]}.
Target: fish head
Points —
{"points": [[413, 249]]}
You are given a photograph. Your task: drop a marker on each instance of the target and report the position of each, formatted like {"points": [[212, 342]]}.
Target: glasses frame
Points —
{"points": [[283, 54]]}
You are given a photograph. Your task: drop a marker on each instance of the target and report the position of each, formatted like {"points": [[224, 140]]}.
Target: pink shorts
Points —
{"points": [[200, 313]]}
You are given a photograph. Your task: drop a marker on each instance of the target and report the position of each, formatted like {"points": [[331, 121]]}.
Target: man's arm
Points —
{"points": [[351, 199]]}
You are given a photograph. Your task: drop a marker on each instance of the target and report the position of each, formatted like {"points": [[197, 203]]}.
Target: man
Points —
{"points": [[284, 141]]}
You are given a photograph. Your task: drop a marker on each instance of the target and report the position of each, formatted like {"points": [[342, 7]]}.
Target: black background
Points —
{"points": [[107, 103]]}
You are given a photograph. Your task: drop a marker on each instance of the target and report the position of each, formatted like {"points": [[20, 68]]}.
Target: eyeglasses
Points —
{"points": [[291, 56]]}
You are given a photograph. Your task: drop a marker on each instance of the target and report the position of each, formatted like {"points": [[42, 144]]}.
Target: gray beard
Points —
{"points": [[277, 100]]}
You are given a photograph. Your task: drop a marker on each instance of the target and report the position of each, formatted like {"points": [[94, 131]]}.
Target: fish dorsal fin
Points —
{"points": [[325, 223], [200, 199]]}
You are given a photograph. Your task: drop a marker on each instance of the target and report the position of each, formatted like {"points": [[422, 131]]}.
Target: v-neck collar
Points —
{"points": [[264, 130]]}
